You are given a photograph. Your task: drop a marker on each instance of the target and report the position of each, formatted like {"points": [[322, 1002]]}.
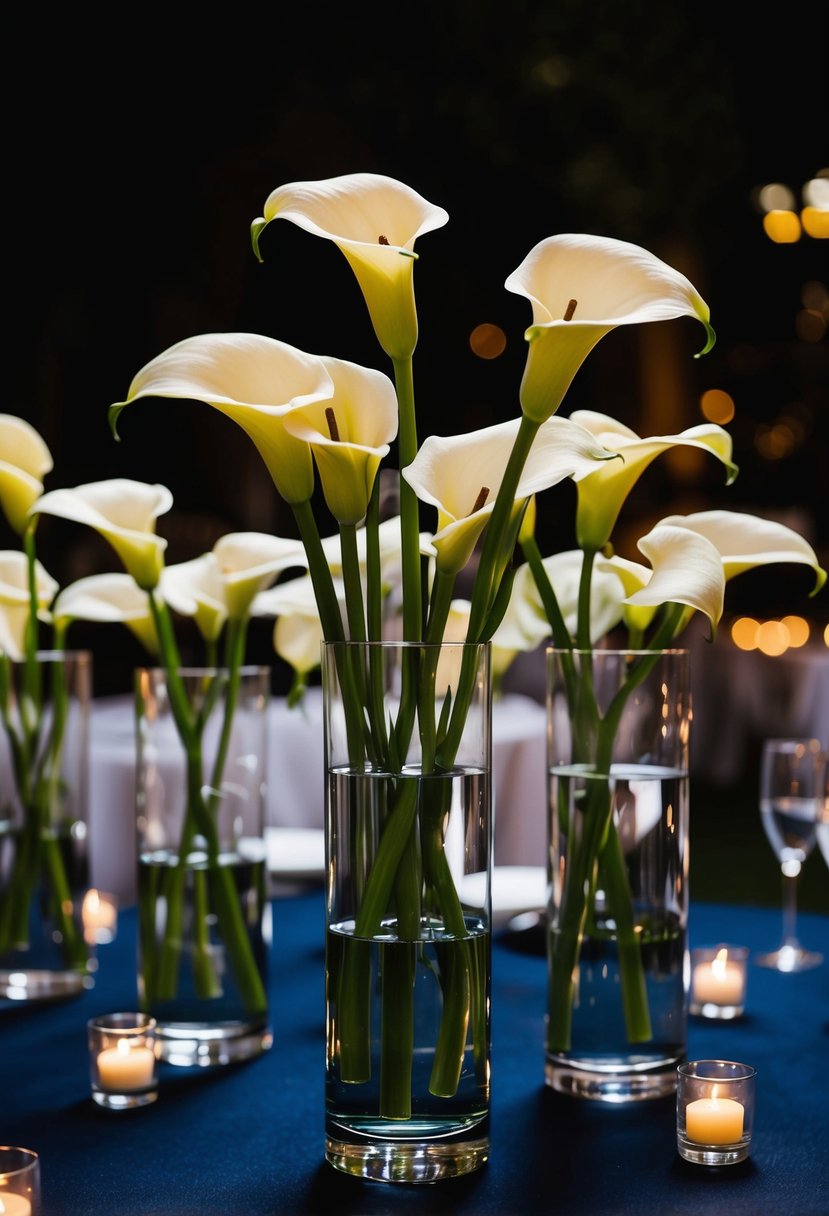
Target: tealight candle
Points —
{"points": [[99, 915], [718, 981], [714, 1111], [714, 1120], [122, 1060], [14, 1205], [125, 1067]]}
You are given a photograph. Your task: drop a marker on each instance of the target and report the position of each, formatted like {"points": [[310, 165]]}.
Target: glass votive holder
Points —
{"points": [[99, 914], [718, 981], [19, 1181], [123, 1060], [714, 1111]]}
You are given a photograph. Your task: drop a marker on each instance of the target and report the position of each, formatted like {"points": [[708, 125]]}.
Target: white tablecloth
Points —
{"points": [[295, 782]]}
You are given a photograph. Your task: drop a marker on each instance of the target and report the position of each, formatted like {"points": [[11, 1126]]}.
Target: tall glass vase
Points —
{"points": [[44, 768], [618, 737], [204, 916], [408, 840]]}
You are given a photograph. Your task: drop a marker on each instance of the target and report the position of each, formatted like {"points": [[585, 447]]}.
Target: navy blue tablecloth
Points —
{"points": [[248, 1139]]}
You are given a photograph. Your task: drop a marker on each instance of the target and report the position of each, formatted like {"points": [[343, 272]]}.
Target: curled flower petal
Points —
{"points": [[196, 589], [598, 283], [124, 512], [527, 613], [248, 562], [15, 603], [686, 570], [109, 598], [603, 490], [374, 220], [745, 541], [255, 381], [460, 476], [24, 462], [349, 434]]}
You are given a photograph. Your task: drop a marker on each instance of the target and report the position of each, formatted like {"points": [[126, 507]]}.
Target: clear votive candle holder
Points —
{"points": [[123, 1060], [714, 1111], [19, 1181], [718, 981]]}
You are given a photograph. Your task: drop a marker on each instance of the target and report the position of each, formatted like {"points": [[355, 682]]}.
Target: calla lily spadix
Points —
{"points": [[746, 541], [580, 288], [685, 569], [111, 597], [374, 220], [254, 380], [15, 603], [461, 474], [124, 513], [349, 434], [602, 492], [24, 462]]}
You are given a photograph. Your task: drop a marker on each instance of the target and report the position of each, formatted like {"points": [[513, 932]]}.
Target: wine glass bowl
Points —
{"points": [[792, 800]]}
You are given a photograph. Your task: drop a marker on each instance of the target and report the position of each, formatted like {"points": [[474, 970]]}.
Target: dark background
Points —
{"points": [[136, 160]]}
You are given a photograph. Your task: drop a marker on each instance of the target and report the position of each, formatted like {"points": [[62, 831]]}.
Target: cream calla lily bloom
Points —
{"points": [[461, 474], [502, 651], [375, 221], [349, 435], [109, 598], [195, 588], [298, 632], [685, 569], [124, 512], [14, 600], [745, 541], [580, 288], [389, 545], [526, 612], [255, 381], [602, 492], [24, 462]]}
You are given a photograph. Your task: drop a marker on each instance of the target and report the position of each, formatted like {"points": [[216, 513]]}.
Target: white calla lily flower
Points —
{"points": [[685, 569], [298, 630], [124, 512], [580, 288], [503, 647], [527, 614], [255, 381], [460, 475], [24, 462], [15, 603], [389, 544], [196, 589], [602, 492], [374, 220], [745, 541], [249, 562], [108, 598], [349, 435]]}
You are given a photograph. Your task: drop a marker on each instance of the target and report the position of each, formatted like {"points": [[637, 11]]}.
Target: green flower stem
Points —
{"points": [[398, 963], [456, 983], [409, 506]]}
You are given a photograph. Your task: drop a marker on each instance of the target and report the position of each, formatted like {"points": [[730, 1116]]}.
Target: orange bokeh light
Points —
{"points": [[773, 638], [782, 227], [744, 633], [717, 406], [815, 221], [798, 629], [488, 341]]}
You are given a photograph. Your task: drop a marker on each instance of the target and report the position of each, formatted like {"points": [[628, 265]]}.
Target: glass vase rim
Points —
{"points": [[405, 644], [689, 1069], [619, 650], [53, 655], [30, 1158]]}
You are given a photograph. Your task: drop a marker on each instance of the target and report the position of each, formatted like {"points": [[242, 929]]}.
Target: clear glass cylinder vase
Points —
{"points": [[617, 941], [408, 850], [204, 915], [44, 770]]}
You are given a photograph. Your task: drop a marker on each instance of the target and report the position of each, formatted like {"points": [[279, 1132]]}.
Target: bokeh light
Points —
{"points": [[816, 191], [772, 638], [809, 325], [798, 629], [488, 341], [782, 227], [774, 442], [815, 221], [744, 633], [717, 406], [776, 197]]}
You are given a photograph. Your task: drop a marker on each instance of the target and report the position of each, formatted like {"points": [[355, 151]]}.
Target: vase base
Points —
{"points": [[202, 1045], [407, 1161], [43, 985], [611, 1085]]}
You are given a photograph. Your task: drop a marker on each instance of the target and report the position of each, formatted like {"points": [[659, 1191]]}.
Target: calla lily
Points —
{"points": [[124, 512], [298, 630], [502, 651], [580, 288], [24, 462], [374, 220], [349, 434], [745, 541], [602, 492], [685, 569], [526, 611], [109, 597], [15, 604], [195, 588], [254, 380], [460, 475], [389, 544]]}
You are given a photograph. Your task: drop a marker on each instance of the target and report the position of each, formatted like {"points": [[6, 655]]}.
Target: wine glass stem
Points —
{"points": [[790, 910]]}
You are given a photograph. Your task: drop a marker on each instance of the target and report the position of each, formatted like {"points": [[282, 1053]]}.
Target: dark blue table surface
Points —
{"points": [[249, 1138]]}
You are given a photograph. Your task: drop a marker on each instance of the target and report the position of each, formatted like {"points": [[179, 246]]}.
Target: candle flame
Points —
{"points": [[718, 964], [124, 1047]]}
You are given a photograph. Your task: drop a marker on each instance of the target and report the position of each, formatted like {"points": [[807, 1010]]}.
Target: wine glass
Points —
{"points": [[792, 792]]}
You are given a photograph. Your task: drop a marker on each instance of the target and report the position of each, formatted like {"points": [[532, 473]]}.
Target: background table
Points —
{"points": [[248, 1139]]}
